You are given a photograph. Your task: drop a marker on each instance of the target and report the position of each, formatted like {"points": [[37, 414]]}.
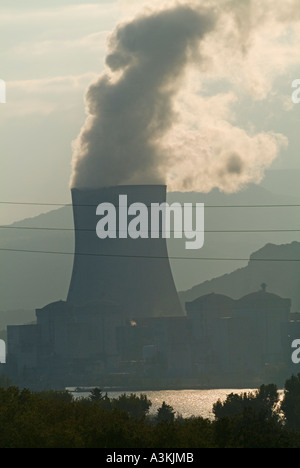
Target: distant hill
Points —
{"points": [[31, 280], [281, 277]]}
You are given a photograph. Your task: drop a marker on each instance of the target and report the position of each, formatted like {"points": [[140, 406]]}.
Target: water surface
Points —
{"points": [[186, 403]]}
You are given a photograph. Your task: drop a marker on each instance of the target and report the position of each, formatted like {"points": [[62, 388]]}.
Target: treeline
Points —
{"points": [[51, 419]]}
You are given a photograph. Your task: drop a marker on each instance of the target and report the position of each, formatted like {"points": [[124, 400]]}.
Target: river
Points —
{"points": [[186, 403]]}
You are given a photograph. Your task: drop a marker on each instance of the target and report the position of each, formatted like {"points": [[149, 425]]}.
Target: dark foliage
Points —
{"points": [[291, 403], [57, 420], [263, 402], [165, 413]]}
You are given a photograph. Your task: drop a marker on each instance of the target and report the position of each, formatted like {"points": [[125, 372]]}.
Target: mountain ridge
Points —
{"points": [[262, 267]]}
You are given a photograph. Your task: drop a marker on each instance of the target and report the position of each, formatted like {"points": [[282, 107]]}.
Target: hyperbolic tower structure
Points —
{"points": [[133, 273]]}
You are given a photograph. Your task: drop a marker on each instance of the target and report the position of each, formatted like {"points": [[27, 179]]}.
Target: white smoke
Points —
{"points": [[149, 121]]}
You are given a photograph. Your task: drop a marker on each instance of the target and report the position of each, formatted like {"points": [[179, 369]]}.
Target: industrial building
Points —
{"points": [[218, 339], [241, 336]]}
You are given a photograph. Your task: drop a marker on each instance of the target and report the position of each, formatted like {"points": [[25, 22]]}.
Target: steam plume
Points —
{"points": [[146, 125]]}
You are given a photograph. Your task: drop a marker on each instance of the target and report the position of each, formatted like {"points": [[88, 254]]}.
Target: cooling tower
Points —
{"points": [[132, 273]]}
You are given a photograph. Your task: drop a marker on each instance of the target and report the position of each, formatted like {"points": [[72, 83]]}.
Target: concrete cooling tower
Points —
{"points": [[133, 273]]}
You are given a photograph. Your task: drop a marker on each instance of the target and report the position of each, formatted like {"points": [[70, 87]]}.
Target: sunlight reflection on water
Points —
{"points": [[186, 403]]}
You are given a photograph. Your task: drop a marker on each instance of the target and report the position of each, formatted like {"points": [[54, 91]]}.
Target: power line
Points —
{"points": [[37, 203], [153, 257], [239, 231], [290, 205]]}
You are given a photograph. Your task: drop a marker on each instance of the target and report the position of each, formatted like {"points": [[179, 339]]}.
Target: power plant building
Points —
{"points": [[122, 318], [219, 340], [241, 336]]}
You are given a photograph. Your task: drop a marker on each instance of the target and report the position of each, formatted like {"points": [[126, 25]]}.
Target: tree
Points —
{"points": [[264, 402], [57, 395], [136, 406], [230, 407], [165, 413], [290, 405], [251, 429], [96, 394]]}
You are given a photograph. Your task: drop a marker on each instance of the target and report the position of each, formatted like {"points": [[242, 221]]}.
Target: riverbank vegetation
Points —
{"points": [[52, 419]]}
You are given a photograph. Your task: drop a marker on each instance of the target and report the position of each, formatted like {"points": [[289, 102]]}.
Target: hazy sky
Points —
{"points": [[238, 89]]}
